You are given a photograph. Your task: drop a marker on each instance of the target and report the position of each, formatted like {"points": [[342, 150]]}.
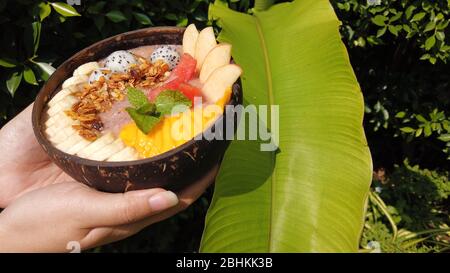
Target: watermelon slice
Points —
{"points": [[189, 91], [181, 74], [185, 70]]}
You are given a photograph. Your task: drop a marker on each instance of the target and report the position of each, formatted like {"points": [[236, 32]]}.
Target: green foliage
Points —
{"points": [[435, 123], [419, 196], [410, 211], [377, 22], [380, 233], [399, 50]]}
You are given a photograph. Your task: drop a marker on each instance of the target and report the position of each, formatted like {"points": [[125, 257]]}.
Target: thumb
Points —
{"points": [[107, 209]]}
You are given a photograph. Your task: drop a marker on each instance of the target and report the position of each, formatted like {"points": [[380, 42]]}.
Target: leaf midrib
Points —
{"points": [[271, 102]]}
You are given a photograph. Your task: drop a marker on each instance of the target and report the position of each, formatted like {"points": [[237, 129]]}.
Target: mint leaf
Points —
{"points": [[136, 97], [144, 122], [168, 99], [146, 114], [147, 109]]}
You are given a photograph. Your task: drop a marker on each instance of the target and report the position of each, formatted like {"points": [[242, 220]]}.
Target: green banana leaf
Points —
{"points": [[310, 194]]}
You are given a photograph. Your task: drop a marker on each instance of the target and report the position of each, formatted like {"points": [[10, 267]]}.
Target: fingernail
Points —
{"points": [[163, 200]]}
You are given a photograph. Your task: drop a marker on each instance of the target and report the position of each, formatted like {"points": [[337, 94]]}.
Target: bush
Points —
{"points": [[402, 77], [414, 204], [399, 51]]}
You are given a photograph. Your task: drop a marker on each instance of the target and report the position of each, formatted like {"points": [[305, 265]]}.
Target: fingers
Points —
{"points": [[186, 198], [106, 209], [18, 140], [103, 235]]}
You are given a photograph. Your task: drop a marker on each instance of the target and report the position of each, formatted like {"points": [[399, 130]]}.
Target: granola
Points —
{"points": [[99, 96]]}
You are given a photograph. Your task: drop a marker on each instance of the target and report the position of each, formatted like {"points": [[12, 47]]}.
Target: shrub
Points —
{"points": [[399, 50], [408, 211]]}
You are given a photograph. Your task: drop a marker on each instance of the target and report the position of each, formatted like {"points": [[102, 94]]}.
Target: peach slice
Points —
{"points": [[219, 56], [190, 40], [205, 42], [219, 80]]}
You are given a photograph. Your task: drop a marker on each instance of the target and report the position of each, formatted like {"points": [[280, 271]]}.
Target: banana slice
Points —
{"points": [[49, 122], [96, 146], [67, 102], [108, 150], [50, 131], [86, 69], [65, 146], [59, 96], [59, 119], [74, 88], [61, 106], [62, 121], [62, 135], [80, 145], [75, 80], [54, 110], [127, 154]]}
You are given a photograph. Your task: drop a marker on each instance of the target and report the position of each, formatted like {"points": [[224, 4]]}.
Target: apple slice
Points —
{"points": [[219, 56], [190, 40], [205, 42], [219, 80]]}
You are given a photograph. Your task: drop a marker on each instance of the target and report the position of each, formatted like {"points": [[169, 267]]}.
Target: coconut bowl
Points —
{"points": [[173, 170]]}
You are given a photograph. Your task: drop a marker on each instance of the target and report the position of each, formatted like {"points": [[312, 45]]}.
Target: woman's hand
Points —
{"points": [[48, 219], [47, 211], [24, 165]]}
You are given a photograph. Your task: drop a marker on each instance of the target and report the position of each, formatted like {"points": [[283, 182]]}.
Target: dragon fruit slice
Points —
{"points": [[96, 74], [120, 61], [166, 53]]}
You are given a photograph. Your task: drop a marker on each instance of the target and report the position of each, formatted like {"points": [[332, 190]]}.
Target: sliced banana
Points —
{"points": [[80, 145], [61, 106], [49, 122], [126, 154], [74, 88], [67, 102], [62, 135], [108, 150], [54, 110], [86, 69], [59, 118], [75, 80], [50, 131], [96, 146], [65, 146], [59, 96]]}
